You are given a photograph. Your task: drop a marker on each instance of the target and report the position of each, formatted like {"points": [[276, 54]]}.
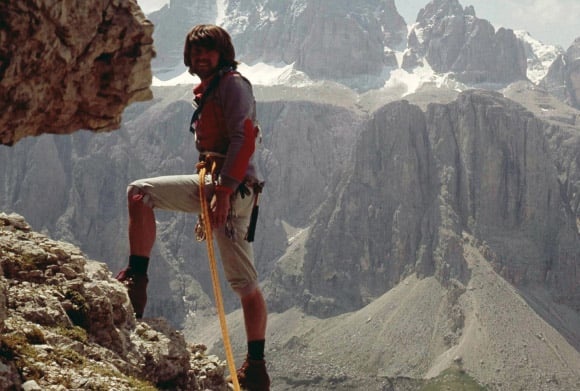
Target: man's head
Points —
{"points": [[204, 39]]}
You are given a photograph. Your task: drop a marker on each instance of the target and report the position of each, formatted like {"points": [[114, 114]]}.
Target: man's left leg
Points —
{"points": [[253, 375], [238, 260], [255, 319]]}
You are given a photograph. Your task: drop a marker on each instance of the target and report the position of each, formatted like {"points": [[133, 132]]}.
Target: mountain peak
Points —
{"points": [[442, 8], [454, 40]]}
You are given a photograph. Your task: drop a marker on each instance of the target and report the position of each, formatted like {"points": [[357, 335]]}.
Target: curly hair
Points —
{"points": [[210, 37]]}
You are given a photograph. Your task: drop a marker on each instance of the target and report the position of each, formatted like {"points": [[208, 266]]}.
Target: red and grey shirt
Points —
{"points": [[227, 126]]}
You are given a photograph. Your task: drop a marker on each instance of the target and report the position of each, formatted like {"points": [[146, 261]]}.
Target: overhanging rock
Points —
{"points": [[70, 65]]}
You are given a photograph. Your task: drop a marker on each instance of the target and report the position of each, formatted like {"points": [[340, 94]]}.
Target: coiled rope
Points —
{"points": [[202, 169]]}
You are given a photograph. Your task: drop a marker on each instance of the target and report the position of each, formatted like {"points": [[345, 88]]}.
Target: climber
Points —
{"points": [[225, 135]]}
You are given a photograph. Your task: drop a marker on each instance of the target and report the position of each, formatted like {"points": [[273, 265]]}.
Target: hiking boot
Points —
{"points": [[253, 376], [137, 288]]}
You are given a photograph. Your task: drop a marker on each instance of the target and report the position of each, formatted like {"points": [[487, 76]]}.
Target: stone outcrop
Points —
{"points": [[501, 181], [563, 78], [452, 39], [65, 67], [66, 322]]}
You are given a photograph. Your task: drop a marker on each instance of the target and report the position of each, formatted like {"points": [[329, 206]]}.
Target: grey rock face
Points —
{"points": [[563, 78], [506, 188], [481, 164], [453, 39], [64, 68], [539, 56], [378, 226]]}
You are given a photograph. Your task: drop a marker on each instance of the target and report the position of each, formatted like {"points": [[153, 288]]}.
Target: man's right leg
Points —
{"points": [[142, 229], [142, 232], [177, 193]]}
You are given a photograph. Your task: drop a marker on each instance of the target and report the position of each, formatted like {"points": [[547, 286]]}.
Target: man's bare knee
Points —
{"points": [[136, 196], [247, 290]]}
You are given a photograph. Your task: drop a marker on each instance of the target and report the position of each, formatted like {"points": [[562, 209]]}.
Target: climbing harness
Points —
{"points": [[214, 160], [202, 167]]}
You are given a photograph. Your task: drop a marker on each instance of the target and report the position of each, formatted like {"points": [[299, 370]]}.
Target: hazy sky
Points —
{"points": [[550, 21]]}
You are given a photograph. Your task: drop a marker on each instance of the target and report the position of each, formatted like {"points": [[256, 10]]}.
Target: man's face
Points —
{"points": [[204, 62]]}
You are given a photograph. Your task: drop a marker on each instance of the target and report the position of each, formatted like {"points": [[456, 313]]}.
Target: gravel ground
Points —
{"points": [[504, 338]]}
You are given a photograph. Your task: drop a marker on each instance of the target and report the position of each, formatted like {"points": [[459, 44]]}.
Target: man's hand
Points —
{"points": [[219, 206]]}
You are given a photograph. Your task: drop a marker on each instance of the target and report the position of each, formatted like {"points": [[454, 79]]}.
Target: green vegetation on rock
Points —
{"points": [[453, 379]]}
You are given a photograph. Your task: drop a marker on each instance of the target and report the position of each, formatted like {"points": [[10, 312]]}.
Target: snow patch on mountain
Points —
{"points": [[259, 74], [285, 75], [179, 79], [539, 55], [419, 76], [221, 12], [262, 74]]}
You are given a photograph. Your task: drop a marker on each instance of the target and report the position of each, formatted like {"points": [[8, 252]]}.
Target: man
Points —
{"points": [[225, 133]]}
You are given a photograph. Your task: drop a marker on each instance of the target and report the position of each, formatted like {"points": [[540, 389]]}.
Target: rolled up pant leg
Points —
{"points": [[181, 193], [237, 254]]}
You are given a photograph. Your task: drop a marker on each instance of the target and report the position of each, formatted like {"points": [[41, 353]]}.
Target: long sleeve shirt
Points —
{"points": [[227, 126]]}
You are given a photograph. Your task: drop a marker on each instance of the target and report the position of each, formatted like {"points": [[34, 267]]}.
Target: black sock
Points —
{"points": [[256, 349], [138, 264]]}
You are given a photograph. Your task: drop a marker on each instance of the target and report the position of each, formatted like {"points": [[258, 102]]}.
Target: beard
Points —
{"points": [[204, 69]]}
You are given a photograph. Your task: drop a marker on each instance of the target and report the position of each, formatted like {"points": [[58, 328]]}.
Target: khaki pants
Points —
{"points": [[181, 193]]}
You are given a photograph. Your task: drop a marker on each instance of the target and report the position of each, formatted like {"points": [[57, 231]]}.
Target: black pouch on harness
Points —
{"points": [[258, 187]]}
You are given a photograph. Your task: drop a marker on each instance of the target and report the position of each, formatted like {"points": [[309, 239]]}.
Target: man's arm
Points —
{"points": [[238, 106]]}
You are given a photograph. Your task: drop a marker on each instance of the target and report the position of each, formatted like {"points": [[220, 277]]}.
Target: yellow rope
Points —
{"points": [[215, 278]]}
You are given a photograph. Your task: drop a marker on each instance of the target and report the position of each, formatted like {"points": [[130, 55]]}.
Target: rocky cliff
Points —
{"points": [[563, 78], [67, 324], [452, 39], [540, 56], [70, 67], [309, 33], [481, 164]]}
